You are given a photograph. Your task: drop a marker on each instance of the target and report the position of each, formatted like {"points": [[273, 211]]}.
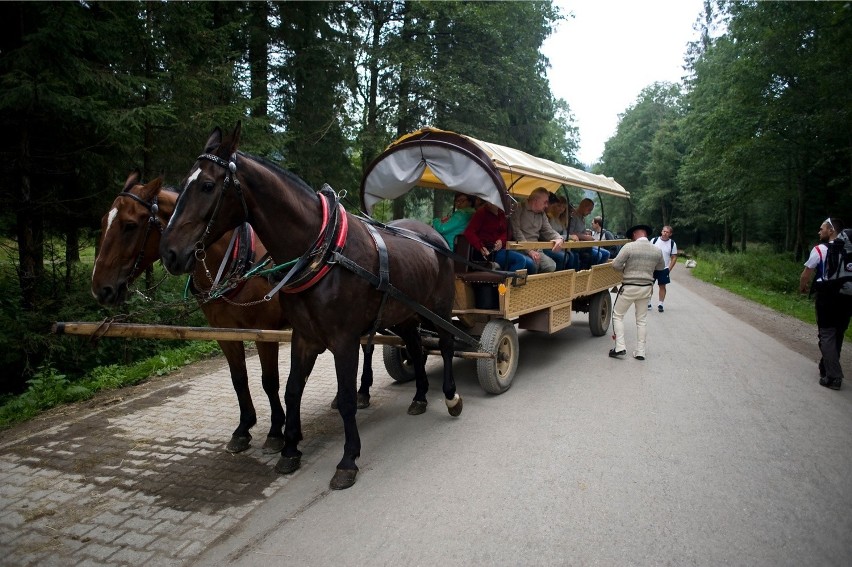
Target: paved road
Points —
{"points": [[719, 449]]}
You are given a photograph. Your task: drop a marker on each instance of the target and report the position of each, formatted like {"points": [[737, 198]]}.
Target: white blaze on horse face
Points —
{"points": [[190, 180], [110, 217]]}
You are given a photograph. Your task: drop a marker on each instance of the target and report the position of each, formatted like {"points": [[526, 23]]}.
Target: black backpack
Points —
{"points": [[838, 265]]}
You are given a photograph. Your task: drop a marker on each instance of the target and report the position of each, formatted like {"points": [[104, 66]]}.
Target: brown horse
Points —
{"points": [[129, 244], [331, 305]]}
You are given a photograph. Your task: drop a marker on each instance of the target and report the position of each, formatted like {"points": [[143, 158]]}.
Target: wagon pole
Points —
{"points": [[144, 331]]}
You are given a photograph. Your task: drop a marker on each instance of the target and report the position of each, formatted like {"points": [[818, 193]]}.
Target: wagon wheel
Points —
{"points": [[500, 339], [397, 363], [600, 313]]}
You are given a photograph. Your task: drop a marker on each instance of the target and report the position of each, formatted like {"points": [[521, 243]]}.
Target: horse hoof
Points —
{"points": [[238, 444], [342, 479], [363, 401], [273, 445], [455, 406], [334, 403], [287, 465], [417, 407]]}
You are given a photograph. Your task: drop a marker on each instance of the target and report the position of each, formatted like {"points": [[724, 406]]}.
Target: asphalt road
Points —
{"points": [[720, 448]]}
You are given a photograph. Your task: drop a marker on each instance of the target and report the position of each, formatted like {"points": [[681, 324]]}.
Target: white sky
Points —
{"points": [[608, 52]]}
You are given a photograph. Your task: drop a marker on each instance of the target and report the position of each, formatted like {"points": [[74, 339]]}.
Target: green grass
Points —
{"points": [[48, 388], [761, 275]]}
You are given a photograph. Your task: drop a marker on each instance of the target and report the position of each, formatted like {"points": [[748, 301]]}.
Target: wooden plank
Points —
{"points": [[570, 245], [142, 331]]}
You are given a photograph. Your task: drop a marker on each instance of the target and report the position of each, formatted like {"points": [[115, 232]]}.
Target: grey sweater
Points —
{"points": [[638, 260]]}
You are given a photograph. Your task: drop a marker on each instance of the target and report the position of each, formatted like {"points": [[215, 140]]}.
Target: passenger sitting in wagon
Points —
{"points": [[577, 232], [487, 233], [530, 224], [454, 224], [557, 214]]}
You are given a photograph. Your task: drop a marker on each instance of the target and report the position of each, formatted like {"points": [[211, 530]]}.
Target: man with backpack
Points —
{"points": [[669, 249], [829, 268]]}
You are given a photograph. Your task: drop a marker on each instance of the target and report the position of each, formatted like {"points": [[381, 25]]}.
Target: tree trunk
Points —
{"points": [[72, 255], [743, 230], [259, 57]]}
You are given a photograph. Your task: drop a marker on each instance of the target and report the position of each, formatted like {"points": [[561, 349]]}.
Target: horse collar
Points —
{"points": [[314, 264]]}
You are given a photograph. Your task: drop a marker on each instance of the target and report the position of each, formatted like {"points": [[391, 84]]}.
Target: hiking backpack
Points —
{"points": [[837, 276]]}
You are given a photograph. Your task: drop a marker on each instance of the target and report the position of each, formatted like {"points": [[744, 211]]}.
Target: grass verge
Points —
{"points": [[49, 388]]}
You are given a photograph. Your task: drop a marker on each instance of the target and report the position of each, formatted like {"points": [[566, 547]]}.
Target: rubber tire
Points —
{"points": [[600, 313], [397, 364], [499, 337]]}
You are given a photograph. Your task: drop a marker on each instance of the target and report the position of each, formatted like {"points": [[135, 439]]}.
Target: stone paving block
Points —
{"points": [[104, 535], [97, 551], [134, 540]]}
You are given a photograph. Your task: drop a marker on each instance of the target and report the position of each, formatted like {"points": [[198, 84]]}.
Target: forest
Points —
{"points": [[754, 145]]}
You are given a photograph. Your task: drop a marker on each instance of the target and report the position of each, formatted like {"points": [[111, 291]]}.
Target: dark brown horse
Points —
{"points": [[332, 306], [130, 241]]}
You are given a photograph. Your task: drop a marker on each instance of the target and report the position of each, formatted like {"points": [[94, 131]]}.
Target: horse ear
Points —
{"points": [[151, 189], [132, 179], [213, 141], [231, 143], [235, 137]]}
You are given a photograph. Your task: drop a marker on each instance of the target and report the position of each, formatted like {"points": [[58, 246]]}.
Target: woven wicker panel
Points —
{"points": [[560, 317], [603, 277], [540, 292], [581, 282]]}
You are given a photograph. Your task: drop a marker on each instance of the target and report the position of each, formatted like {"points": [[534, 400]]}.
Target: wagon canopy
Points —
{"points": [[439, 159]]}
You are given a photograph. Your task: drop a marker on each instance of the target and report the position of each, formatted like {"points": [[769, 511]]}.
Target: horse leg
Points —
{"points": [[414, 346], [303, 356], [366, 379], [366, 376], [346, 365], [236, 356], [268, 354], [446, 343]]}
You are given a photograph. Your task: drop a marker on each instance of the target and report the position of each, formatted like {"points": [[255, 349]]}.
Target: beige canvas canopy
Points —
{"points": [[440, 159]]}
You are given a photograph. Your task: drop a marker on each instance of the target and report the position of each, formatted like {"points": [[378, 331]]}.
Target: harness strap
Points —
{"points": [[411, 235], [384, 278], [226, 256], [313, 264], [439, 321]]}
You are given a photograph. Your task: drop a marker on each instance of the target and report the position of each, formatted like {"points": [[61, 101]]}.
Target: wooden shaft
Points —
{"points": [[567, 244]]}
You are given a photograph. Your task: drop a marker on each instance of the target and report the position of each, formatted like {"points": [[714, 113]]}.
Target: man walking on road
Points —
{"points": [[833, 309], [669, 249], [637, 260]]}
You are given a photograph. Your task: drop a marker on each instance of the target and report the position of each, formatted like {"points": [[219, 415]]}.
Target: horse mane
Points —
{"points": [[292, 177]]}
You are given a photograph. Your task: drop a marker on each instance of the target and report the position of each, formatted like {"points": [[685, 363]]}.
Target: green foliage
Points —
{"points": [[762, 275]]}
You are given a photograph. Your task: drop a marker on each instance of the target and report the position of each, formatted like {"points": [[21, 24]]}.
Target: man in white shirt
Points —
{"points": [[669, 249]]}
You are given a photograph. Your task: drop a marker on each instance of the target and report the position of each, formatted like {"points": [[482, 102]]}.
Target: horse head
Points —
{"points": [[210, 204], [130, 238]]}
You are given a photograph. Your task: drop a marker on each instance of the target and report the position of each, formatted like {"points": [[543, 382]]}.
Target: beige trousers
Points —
{"points": [[638, 297]]}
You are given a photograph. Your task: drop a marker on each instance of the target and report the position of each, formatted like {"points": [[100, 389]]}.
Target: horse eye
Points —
{"points": [[208, 186], [130, 227]]}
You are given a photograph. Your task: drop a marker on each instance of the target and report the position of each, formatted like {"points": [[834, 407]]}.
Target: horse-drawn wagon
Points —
{"points": [[349, 277], [489, 304]]}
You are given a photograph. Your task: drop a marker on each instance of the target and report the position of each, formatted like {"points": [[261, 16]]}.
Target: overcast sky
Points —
{"points": [[608, 52]]}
